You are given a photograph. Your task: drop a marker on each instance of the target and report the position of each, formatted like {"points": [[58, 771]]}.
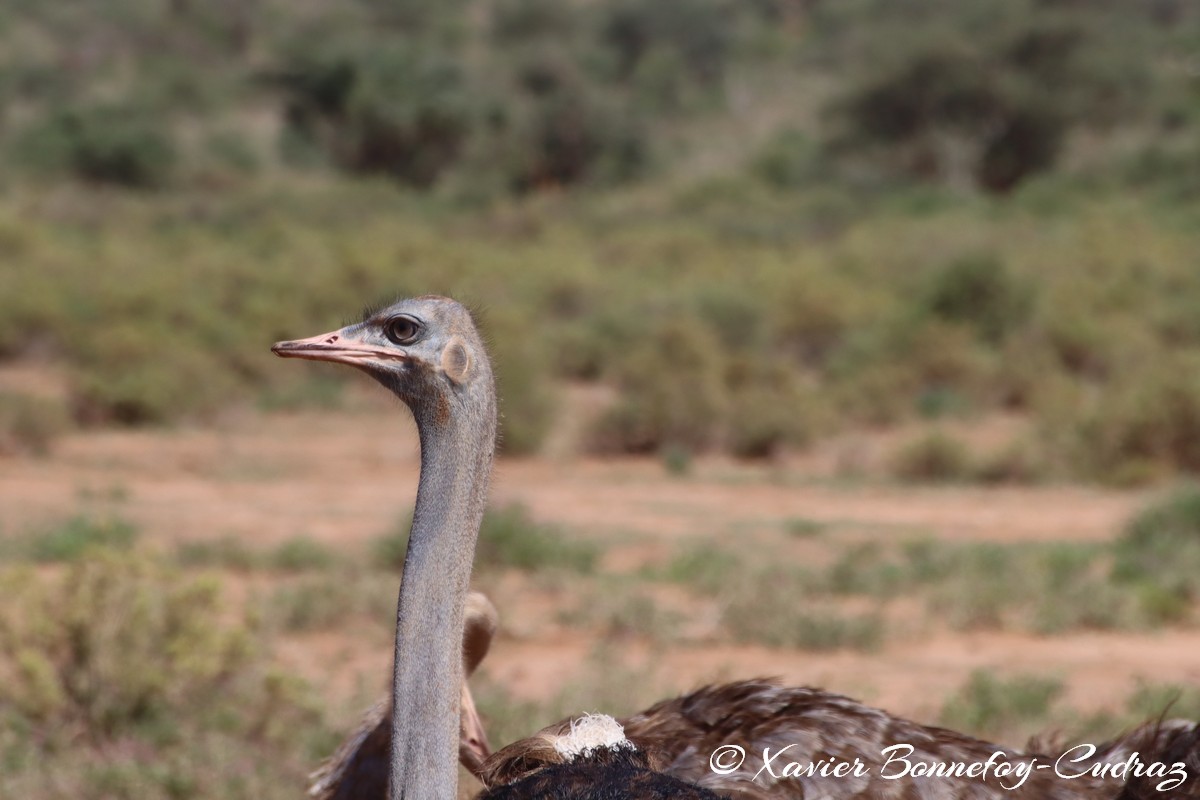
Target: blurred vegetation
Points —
{"points": [[131, 672], [1002, 709], [124, 679], [508, 537], [1144, 580], [761, 223]]}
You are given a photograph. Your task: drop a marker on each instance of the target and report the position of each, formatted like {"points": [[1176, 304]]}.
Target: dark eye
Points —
{"points": [[401, 330]]}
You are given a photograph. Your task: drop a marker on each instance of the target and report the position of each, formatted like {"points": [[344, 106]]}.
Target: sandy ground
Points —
{"points": [[346, 477]]}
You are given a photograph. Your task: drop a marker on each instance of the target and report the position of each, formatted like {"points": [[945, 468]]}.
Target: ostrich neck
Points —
{"points": [[456, 461]]}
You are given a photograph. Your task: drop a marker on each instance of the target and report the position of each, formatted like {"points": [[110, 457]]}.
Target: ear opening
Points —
{"points": [[456, 361]]}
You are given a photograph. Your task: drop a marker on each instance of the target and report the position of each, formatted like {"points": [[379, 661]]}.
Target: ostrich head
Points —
{"points": [[426, 350]]}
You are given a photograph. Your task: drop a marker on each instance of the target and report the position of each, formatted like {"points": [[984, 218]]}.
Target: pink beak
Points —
{"points": [[334, 346]]}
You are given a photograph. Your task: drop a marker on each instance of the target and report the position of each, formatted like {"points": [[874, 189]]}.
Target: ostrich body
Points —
{"points": [[428, 352], [679, 737]]}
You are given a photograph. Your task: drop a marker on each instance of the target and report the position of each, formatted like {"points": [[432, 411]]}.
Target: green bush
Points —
{"points": [[935, 456], [697, 31], [791, 159], [984, 97], [672, 392], [302, 553], [977, 290], [400, 110], [769, 408], [123, 678], [1144, 426], [554, 129], [114, 644], [109, 144]]}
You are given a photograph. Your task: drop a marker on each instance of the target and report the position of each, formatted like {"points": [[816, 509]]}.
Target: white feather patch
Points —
{"points": [[590, 732]]}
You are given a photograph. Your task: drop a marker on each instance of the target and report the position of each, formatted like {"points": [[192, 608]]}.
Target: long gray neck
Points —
{"points": [[456, 463]]}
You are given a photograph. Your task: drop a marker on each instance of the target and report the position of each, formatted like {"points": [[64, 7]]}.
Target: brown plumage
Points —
{"points": [[1173, 744], [603, 774]]}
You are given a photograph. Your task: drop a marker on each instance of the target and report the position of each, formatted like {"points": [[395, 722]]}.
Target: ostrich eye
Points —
{"points": [[401, 330]]}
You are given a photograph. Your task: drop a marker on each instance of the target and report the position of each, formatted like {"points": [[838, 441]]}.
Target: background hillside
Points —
{"points": [[893, 305], [776, 219]]}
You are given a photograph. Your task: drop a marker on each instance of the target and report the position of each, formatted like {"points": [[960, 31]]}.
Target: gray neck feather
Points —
{"points": [[456, 463]]}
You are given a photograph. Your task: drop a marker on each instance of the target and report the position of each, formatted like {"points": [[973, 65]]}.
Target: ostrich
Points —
{"points": [[428, 352]]}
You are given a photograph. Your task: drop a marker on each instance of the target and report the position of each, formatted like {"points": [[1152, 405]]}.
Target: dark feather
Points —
{"points": [[602, 774]]}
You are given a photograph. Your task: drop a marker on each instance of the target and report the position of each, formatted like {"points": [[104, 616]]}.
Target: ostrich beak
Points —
{"points": [[473, 747], [336, 346]]}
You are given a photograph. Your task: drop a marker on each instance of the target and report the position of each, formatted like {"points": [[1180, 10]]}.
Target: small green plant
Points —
{"points": [[1001, 708], [618, 612], [703, 566], [510, 538], [804, 528], [865, 569], [817, 630], [302, 553], [72, 539], [327, 601], [1160, 548], [1152, 700], [228, 552]]}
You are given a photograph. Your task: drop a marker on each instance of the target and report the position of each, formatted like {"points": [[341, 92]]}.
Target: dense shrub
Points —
{"points": [[1145, 425], [977, 290], [672, 392], [401, 110], [697, 31], [934, 457], [123, 678], [986, 97], [566, 134], [108, 144], [769, 408]]}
